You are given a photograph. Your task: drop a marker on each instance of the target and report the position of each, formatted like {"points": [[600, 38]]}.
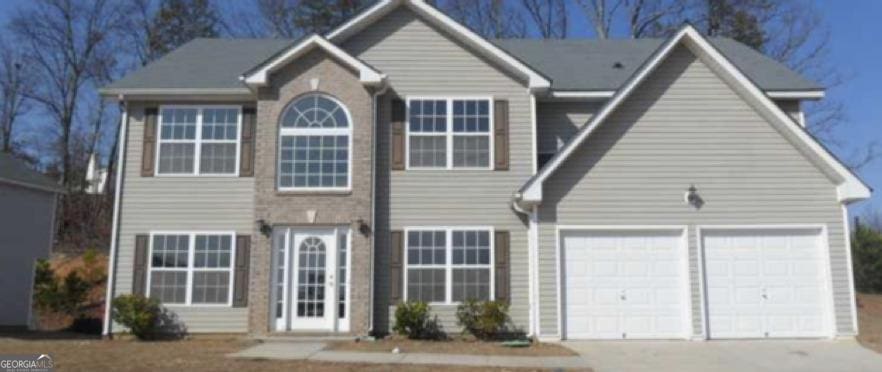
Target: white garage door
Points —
{"points": [[624, 284], [765, 283]]}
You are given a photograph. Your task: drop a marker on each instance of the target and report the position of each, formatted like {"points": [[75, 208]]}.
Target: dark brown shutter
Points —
{"points": [[148, 155], [246, 158], [139, 275], [503, 272], [398, 115], [500, 133], [395, 267], [240, 278]]}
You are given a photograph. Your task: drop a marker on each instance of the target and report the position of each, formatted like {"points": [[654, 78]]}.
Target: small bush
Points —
{"points": [[486, 320], [138, 313], [93, 271], [412, 319], [67, 296], [866, 245]]}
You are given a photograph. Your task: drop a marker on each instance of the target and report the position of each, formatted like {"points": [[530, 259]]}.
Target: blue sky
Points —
{"points": [[855, 51]]}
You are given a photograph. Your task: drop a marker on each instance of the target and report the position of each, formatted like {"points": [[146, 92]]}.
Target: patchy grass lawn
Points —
{"points": [[455, 346], [75, 353], [870, 321]]}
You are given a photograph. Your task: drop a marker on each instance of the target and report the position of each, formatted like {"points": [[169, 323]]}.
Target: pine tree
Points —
{"points": [[179, 21]]}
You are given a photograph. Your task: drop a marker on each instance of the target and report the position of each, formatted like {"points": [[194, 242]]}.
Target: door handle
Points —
{"points": [[765, 295], [623, 296]]}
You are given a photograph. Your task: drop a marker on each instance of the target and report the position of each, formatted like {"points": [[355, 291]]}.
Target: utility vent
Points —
{"points": [[618, 65]]}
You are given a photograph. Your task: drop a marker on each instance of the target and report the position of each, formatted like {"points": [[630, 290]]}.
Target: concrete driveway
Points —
{"points": [[725, 356]]}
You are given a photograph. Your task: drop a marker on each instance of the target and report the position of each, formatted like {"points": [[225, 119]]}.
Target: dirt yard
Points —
{"points": [[870, 321], [451, 347], [71, 353]]}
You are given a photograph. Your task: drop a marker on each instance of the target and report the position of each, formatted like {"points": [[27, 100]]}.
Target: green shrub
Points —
{"points": [[866, 245], [486, 320], [412, 319], [92, 270], [138, 313], [67, 296]]}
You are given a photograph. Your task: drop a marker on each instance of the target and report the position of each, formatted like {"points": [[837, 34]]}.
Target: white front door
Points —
{"points": [[765, 283], [313, 284], [624, 284]]}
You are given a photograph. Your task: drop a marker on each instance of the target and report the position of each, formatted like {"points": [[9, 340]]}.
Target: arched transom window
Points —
{"points": [[315, 144]]}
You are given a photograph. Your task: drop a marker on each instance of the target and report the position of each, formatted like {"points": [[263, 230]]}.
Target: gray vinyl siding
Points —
{"points": [[179, 204], [685, 126], [26, 234], [557, 122], [420, 60]]}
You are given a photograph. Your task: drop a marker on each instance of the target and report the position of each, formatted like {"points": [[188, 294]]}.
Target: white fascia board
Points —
{"points": [[535, 80], [796, 94], [367, 75], [587, 94], [850, 189]]}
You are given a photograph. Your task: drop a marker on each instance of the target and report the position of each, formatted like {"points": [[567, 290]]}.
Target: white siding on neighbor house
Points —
{"points": [[557, 122], [685, 126], [179, 203], [26, 234], [420, 60]]}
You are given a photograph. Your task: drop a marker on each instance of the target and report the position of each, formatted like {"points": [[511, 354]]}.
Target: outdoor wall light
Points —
{"points": [[692, 197], [363, 227], [264, 227]]}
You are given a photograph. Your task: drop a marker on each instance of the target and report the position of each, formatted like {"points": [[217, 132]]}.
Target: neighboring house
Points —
{"points": [[96, 178], [605, 189], [27, 229]]}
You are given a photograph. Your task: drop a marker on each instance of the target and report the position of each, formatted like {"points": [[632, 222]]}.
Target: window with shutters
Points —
{"points": [[449, 133], [191, 268], [198, 140], [315, 145], [448, 265]]}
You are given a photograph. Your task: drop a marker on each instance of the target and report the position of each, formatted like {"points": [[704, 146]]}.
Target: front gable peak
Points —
{"points": [[259, 76]]}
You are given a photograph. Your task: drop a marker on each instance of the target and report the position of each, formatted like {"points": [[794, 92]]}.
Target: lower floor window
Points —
{"points": [[448, 265], [191, 268]]}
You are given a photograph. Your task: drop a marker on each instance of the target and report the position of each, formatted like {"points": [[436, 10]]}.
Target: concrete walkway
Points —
{"points": [[314, 351], [726, 356]]}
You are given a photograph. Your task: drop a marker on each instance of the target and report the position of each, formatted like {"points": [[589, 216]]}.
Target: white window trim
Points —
{"points": [[197, 156], [448, 265], [190, 269], [449, 134], [293, 132]]}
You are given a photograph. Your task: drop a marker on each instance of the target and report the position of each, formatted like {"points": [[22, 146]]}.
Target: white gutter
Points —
{"points": [[120, 164], [373, 205], [795, 94]]}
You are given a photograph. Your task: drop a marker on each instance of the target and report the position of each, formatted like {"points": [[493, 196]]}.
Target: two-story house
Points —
{"points": [[604, 189]]}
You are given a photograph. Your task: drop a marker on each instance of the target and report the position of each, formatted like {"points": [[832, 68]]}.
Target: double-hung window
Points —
{"points": [[448, 265], [449, 133], [198, 140], [191, 268], [315, 145]]}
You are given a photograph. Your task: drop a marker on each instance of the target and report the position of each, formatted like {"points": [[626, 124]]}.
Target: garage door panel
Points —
{"points": [[764, 283], [634, 281]]}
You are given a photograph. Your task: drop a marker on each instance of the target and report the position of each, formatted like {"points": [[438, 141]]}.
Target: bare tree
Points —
{"points": [[295, 18], [648, 18], [15, 85], [139, 16], [494, 19], [601, 13], [549, 17], [66, 41]]}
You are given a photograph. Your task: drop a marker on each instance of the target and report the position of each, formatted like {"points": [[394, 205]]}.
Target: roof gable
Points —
{"points": [[535, 80], [850, 187], [259, 76], [14, 171]]}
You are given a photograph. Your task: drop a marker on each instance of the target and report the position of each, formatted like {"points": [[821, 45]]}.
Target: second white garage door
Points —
{"points": [[624, 284], [766, 283]]}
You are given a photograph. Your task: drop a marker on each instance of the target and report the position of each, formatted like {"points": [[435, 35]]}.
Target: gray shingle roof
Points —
{"points": [[587, 64], [583, 64], [203, 64], [15, 171]]}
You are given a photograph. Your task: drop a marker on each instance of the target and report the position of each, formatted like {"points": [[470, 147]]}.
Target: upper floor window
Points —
{"points": [[315, 143], [199, 140], [449, 133]]}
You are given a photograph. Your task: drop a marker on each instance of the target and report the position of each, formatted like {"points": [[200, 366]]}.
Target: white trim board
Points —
{"points": [[535, 80], [260, 77], [849, 189]]}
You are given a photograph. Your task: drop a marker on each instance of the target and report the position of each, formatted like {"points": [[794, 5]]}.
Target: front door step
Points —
{"points": [[304, 337]]}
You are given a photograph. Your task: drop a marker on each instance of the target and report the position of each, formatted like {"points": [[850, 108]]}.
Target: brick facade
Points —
{"points": [[330, 77]]}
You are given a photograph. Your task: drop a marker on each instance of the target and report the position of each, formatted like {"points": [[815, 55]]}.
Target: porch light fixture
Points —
{"points": [[264, 227], [692, 198], [363, 227]]}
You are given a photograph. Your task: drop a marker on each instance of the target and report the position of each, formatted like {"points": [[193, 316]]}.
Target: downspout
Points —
{"points": [[111, 267], [373, 204]]}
